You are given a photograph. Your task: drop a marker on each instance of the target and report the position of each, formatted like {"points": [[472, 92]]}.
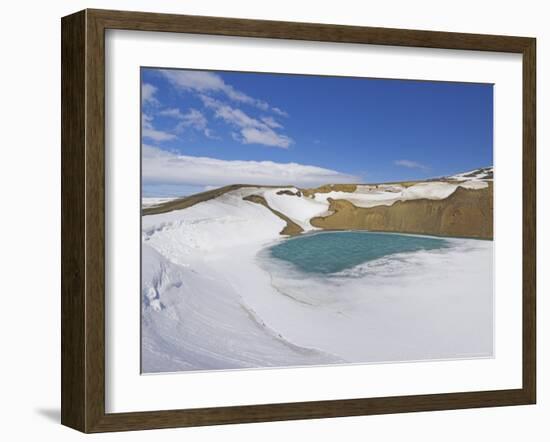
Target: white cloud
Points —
{"points": [[148, 92], [230, 114], [195, 80], [251, 135], [280, 112], [157, 135], [162, 167], [172, 112], [204, 82], [149, 131], [210, 134], [252, 131], [410, 164], [271, 122], [194, 119]]}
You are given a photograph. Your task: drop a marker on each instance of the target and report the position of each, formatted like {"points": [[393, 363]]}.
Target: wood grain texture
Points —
{"points": [[145, 21], [83, 220], [95, 221], [73, 128], [529, 221]]}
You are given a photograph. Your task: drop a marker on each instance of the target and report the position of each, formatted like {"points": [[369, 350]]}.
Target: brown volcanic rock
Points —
{"points": [[465, 213], [329, 188], [189, 201], [289, 192]]}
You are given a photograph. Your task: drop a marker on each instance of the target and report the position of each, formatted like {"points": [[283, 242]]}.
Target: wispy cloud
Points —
{"points": [[165, 168], [271, 122], [264, 130], [192, 119], [411, 164], [151, 103], [280, 112], [148, 92], [150, 132], [172, 112], [251, 130], [252, 135], [205, 82]]}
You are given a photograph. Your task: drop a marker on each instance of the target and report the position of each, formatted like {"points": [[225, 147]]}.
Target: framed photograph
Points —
{"points": [[269, 220]]}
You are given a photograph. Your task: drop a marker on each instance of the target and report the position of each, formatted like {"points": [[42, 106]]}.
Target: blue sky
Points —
{"points": [[205, 129]]}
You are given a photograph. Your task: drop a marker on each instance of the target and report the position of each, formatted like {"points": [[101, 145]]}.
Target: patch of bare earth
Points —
{"points": [[330, 188]]}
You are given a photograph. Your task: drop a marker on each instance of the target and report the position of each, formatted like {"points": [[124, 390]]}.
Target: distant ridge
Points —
{"points": [[457, 205]]}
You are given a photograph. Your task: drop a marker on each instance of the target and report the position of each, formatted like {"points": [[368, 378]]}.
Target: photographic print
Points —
{"points": [[307, 220]]}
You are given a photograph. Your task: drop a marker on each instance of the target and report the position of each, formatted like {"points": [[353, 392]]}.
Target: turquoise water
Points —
{"points": [[332, 252]]}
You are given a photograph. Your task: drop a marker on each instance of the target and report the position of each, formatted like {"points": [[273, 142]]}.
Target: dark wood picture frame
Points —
{"points": [[83, 220]]}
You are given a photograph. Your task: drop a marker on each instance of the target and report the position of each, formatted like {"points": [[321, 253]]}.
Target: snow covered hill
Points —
{"points": [[467, 213], [484, 173]]}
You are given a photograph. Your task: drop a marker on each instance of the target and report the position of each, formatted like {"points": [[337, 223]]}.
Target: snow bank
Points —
{"points": [[474, 184], [476, 174], [299, 209], [153, 202], [371, 196], [434, 191], [361, 199], [201, 322], [210, 227]]}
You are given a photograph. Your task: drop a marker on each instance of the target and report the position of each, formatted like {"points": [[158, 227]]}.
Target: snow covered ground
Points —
{"points": [[152, 201], [485, 173], [211, 299], [196, 313]]}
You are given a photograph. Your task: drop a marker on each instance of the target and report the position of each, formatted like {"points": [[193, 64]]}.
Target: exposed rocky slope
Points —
{"points": [[465, 213]]}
